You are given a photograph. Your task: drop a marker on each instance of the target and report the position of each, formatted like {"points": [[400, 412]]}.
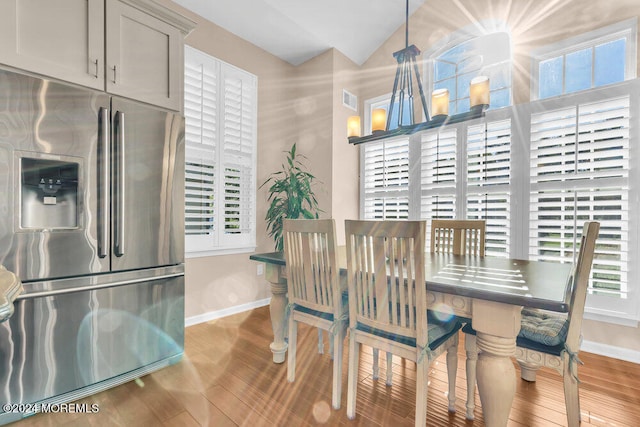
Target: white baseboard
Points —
{"points": [[611, 351], [212, 315]]}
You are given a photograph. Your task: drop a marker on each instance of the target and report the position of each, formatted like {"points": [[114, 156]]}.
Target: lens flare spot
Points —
{"points": [[442, 312], [233, 298], [321, 412]]}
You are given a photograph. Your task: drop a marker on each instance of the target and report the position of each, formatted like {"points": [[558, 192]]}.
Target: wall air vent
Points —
{"points": [[349, 100]]}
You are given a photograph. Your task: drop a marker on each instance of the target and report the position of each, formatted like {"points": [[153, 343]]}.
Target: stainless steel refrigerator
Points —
{"points": [[91, 221]]}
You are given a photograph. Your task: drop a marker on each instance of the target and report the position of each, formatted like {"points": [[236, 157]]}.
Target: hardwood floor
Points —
{"points": [[227, 379]]}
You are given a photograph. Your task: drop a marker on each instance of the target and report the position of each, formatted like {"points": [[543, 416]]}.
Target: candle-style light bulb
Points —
{"points": [[378, 120], [440, 102], [353, 126], [479, 93]]}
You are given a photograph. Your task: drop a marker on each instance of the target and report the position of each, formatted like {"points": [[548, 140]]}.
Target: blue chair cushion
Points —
{"points": [[438, 332], [322, 314], [536, 346], [525, 343], [539, 331], [544, 328]]}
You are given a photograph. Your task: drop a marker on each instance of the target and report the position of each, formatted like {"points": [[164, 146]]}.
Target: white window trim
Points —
{"points": [[245, 243], [221, 251], [627, 28]]}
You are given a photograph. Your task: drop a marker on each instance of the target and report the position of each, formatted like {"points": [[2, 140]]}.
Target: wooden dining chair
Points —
{"points": [[552, 340], [459, 237], [462, 237], [388, 304], [315, 295]]}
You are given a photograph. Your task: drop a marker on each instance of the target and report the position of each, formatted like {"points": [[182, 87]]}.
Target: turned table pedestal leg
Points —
{"points": [[497, 326], [277, 309]]}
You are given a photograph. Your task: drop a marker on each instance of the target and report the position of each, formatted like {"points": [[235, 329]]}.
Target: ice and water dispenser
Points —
{"points": [[49, 193]]}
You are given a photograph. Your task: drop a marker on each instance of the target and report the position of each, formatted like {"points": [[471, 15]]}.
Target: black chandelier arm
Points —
{"points": [[421, 90], [410, 89], [393, 97]]}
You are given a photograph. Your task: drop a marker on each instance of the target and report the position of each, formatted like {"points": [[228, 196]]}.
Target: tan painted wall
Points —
{"points": [[313, 118], [345, 157]]}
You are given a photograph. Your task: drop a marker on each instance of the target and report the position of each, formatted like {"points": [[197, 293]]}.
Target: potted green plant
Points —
{"points": [[290, 195]]}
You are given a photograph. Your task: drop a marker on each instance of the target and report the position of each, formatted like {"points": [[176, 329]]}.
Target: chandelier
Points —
{"points": [[402, 100]]}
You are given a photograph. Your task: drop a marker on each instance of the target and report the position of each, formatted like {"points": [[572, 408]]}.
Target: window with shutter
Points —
{"points": [[488, 181], [580, 172], [438, 156], [220, 155], [385, 179]]}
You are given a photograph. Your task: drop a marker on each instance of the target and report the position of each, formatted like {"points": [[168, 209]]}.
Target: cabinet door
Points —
{"points": [[144, 56], [62, 39]]}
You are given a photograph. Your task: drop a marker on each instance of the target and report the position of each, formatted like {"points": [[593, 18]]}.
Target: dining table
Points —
{"points": [[489, 291]]}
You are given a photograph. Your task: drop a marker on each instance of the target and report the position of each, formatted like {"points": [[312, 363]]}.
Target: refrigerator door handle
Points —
{"points": [[120, 185], [85, 288], [103, 187]]}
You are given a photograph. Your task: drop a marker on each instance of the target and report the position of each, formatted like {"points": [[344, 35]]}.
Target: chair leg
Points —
{"points": [[352, 380], [320, 342], [571, 395], [389, 369], [338, 343], [291, 357], [472, 359], [422, 376], [331, 349], [376, 366], [452, 369]]}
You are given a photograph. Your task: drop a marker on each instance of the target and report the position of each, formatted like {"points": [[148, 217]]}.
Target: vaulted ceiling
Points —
{"points": [[298, 30]]}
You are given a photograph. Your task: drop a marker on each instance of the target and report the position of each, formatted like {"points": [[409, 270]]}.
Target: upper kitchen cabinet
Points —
{"points": [[132, 48], [145, 52], [62, 39]]}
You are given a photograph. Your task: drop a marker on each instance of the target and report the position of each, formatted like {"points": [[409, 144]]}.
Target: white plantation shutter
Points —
{"points": [[201, 140], [200, 198], [580, 172], [238, 162], [488, 182], [386, 179], [438, 171], [220, 138]]}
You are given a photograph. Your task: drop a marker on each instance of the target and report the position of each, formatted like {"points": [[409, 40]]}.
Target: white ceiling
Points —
{"points": [[298, 30]]}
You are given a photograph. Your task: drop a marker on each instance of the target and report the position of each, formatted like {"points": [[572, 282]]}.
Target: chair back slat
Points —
{"points": [[580, 278], [312, 266], [385, 261], [459, 237]]}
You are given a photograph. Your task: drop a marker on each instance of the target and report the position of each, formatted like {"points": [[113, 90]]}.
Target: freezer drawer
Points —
{"points": [[67, 341]]}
